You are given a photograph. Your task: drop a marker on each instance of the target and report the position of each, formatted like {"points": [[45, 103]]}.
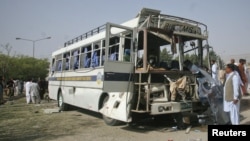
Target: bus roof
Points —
{"points": [[143, 18]]}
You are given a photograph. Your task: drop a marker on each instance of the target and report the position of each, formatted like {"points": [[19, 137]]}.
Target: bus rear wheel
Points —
{"points": [[62, 106], [108, 120]]}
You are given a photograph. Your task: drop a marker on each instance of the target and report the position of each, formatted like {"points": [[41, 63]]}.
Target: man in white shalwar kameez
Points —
{"points": [[27, 91], [215, 71], [232, 95], [34, 92]]}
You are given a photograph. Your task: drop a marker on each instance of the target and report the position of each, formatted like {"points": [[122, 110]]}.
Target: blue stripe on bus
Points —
{"points": [[75, 78], [108, 76]]}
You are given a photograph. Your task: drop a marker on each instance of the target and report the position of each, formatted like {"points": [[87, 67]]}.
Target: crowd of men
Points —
{"points": [[235, 84], [34, 90]]}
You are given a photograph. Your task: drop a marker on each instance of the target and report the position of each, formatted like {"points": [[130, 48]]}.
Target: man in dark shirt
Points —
{"points": [[11, 86]]}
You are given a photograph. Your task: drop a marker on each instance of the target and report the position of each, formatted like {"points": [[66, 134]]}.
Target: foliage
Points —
{"points": [[165, 56], [23, 67], [213, 56]]}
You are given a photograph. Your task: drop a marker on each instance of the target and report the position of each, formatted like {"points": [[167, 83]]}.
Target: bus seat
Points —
{"points": [[113, 56], [164, 65], [67, 66], [103, 60], [76, 59], [59, 68], [87, 62], [67, 63], [95, 60], [175, 65], [76, 62]]}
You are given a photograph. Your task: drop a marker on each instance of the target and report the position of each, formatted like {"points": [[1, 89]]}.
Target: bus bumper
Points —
{"points": [[170, 107]]}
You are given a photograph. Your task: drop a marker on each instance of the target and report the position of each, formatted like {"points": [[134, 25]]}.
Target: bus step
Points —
{"points": [[139, 111]]}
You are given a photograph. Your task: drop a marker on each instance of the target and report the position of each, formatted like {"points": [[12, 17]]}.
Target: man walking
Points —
{"points": [[232, 95], [34, 92], [27, 91]]}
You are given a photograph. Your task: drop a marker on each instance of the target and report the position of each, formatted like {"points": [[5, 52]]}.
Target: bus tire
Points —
{"points": [[108, 120], [62, 106]]}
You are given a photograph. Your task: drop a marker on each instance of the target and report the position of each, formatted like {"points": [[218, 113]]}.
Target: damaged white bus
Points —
{"points": [[117, 70]]}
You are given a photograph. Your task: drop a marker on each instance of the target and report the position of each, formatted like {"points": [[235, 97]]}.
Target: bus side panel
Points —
{"points": [[79, 89], [87, 98], [53, 90], [118, 106]]}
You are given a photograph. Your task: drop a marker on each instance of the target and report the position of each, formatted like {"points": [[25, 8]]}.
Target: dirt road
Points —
{"points": [[29, 122]]}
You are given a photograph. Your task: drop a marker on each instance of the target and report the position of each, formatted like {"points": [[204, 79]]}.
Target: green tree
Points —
{"points": [[21, 67], [213, 56], [29, 67], [5, 61], [192, 57], [165, 56]]}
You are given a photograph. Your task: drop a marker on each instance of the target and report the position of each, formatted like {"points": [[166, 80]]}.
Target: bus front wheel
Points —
{"points": [[108, 120], [62, 106]]}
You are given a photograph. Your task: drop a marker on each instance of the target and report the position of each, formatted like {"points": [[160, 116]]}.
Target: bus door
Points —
{"points": [[118, 71]]}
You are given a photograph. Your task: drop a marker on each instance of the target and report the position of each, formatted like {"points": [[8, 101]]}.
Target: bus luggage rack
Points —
{"points": [[86, 35]]}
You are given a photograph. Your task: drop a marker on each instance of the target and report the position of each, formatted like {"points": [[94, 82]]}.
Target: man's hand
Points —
{"points": [[235, 101]]}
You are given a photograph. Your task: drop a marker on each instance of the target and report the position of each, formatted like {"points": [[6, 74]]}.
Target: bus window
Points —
{"points": [[102, 52], [114, 49], [126, 43], [165, 57], [66, 61], [102, 56], [53, 66], [59, 65], [140, 54], [96, 56], [75, 59], [126, 56], [86, 56]]}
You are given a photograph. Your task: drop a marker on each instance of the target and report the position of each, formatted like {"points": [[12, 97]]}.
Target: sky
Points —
{"points": [[228, 22]]}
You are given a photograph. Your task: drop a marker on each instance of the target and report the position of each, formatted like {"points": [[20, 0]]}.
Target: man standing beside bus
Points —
{"points": [[243, 76], [214, 71], [232, 95], [34, 92]]}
